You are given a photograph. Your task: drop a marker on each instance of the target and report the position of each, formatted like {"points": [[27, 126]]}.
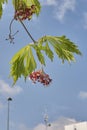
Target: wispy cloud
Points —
{"points": [[20, 126], [61, 7], [23, 127], [5, 89], [83, 95], [48, 2], [85, 20], [56, 125]]}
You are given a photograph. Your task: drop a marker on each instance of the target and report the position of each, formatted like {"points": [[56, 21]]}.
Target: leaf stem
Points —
{"points": [[27, 31], [11, 36], [11, 25]]}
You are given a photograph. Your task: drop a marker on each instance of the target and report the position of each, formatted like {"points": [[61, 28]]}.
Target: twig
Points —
{"points": [[11, 37], [27, 31]]}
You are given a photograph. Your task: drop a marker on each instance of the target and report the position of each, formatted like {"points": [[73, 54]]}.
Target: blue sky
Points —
{"points": [[65, 100]]}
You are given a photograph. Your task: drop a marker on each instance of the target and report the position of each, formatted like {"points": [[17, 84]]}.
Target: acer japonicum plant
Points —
{"points": [[24, 62]]}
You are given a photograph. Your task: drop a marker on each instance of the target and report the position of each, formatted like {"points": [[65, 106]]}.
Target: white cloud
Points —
{"points": [[23, 127], [51, 2], [20, 126], [5, 89], [48, 2], [56, 125], [83, 95], [63, 7], [40, 127], [85, 20]]}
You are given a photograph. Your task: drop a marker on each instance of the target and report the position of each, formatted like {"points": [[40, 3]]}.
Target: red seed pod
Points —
{"points": [[40, 76], [23, 12]]}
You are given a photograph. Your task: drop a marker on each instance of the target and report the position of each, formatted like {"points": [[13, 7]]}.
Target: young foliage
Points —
{"points": [[23, 62], [1, 6], [39, 53], [28, 3], [63, 47], [36, 3]]}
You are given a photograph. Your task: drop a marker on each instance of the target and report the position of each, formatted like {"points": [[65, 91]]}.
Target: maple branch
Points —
{"points": [[11, 25], [27, 31], [11, 36]]}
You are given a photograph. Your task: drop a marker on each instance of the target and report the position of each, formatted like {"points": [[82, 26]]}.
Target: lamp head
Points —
{"points": [[9, 99]]}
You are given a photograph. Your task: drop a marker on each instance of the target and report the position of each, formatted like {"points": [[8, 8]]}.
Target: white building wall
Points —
{"points": [[77, 126]]}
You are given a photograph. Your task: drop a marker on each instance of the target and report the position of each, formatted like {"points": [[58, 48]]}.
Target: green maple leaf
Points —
{"points": [[39, 53], [63, 47], [36, 3], [22, 63], [28, 3], [44, 46], [1, 6]]}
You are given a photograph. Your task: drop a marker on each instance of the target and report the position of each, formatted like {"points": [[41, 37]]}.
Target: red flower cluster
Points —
{"points": [[40, 76], [24, 13]]}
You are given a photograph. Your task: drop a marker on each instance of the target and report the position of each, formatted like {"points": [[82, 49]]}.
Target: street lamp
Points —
{"points": [[9, 99]]}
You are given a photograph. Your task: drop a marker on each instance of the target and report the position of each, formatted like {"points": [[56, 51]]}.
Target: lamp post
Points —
{"points": [[9, 99]]}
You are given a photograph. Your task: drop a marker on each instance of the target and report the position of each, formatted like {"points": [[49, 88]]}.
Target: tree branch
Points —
{"points": [[27, 31]]}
